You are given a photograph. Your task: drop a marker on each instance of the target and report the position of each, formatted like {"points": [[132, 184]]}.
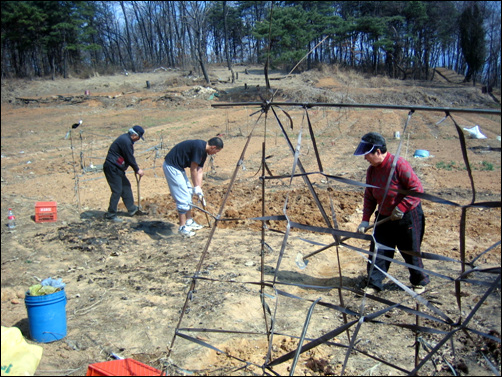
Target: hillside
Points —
{"points": [[127, 283]]}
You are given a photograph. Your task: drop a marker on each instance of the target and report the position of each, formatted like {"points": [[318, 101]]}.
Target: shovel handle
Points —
{"points": [[204, 207], [137, 182], [368, 228]]}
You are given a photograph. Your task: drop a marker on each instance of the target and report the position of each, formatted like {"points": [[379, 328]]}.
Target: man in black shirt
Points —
{"points": [[188, 154], [120, 156]]}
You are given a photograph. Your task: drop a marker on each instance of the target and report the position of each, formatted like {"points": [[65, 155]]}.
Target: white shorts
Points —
{"points": [[180, 187]]}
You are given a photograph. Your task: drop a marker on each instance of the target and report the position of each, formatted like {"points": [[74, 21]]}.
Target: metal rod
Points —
{"points": [[362, 105], [301, 261], [262, 251], [211, 234], [302, 337]]}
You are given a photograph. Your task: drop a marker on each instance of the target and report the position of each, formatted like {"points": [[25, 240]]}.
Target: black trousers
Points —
{"points": [[405, 234], [121, 188]]}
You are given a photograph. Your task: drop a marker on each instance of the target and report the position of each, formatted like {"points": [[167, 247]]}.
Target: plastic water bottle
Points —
{"points": [[12, 220]]}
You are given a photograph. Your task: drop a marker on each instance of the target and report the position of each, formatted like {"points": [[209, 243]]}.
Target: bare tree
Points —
{"points": [[492, 23], [227, 53], [196, 14], [128, 35]]}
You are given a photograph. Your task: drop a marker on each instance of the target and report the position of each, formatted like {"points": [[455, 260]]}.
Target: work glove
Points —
{"points": [[363, 227], [198, 191], [397, 214]]}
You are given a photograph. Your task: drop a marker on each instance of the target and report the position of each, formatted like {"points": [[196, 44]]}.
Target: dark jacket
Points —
{"points": [[121, 153]]}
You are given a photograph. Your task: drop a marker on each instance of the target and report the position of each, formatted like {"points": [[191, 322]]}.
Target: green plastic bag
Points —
{"points": [[40, 290], [18, 357]]}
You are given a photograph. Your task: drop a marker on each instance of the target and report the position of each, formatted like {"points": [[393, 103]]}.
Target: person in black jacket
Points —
{"points": [[120, 156]]}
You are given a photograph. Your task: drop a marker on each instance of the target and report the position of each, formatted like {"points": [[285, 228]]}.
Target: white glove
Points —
{"points": [[363, 227], [198, 191], [397, 214]]}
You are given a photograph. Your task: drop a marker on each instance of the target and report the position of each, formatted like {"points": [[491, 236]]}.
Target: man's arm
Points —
{"points": [[196, 174], [127, 150]]}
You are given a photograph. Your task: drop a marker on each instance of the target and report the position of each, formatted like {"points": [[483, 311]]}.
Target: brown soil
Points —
{"points": [[126, 284]]}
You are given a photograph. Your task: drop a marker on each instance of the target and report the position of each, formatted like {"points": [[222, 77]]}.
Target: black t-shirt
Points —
{"points": [[183, 154]]}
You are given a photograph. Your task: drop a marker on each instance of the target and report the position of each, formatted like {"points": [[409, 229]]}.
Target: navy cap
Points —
{"points": [[369, 143], [139, 130], [364, 148]]}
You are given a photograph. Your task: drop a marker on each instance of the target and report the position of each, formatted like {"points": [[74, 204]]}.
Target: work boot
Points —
{"points": [[137, 212], [115, 219], [112, 217]]}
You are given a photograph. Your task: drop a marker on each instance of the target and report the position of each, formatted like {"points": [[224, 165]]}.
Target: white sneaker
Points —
{"points": [[370, 290], [185, 232], [419, 289], [192, 225]]}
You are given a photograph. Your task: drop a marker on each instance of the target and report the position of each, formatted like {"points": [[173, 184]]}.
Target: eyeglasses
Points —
{"points": [[364, 148]]}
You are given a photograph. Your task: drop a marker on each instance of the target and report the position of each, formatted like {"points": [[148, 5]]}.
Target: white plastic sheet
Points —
{"points": [[475, 132]]}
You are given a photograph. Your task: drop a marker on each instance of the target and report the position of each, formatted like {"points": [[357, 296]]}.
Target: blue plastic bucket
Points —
{"points": [[47, 316], [421, 153]]}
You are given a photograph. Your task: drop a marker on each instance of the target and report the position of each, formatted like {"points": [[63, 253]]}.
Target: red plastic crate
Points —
{"points": [[46, 212], [125, 367]]}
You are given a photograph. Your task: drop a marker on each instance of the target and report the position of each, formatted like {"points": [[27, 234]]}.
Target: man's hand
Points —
{"points": [[198, 191], [363, 227], [140, 172], [397, 214]]}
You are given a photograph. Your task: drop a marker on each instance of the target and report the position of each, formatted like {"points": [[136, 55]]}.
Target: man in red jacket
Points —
{"points": [[406, 228]]}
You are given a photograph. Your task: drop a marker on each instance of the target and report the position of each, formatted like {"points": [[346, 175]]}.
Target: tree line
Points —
{"points": [[400, 39]]}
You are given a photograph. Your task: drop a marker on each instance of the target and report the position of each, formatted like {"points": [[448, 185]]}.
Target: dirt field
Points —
{"points": [[127, 284]]}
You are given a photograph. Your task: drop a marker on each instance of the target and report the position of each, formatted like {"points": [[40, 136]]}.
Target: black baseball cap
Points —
{"points": [[140, 131]]}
